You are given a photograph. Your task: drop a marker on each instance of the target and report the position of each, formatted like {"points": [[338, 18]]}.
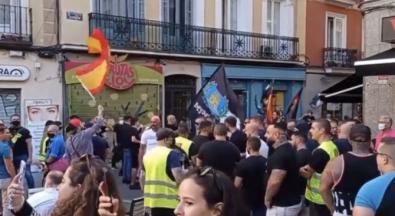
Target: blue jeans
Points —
{"points": [[28, 173], [127, 164]]}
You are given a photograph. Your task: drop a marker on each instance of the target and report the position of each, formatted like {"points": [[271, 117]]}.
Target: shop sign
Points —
{"points": [[121, 76], [382, 80], [14, 73]]}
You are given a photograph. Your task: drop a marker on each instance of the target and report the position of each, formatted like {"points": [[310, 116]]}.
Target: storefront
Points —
{"points": [[249, 83], [31, 87], [130, 89]]}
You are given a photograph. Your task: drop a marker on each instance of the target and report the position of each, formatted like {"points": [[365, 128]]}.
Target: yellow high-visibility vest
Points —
{"points": [[159, 190], [184, 144], [313, 184], [43, 146]]}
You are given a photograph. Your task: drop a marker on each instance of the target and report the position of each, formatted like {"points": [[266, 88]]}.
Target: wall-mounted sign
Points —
{"points": [[121, 76], [14, 73], [71, 15], [388, 29]]}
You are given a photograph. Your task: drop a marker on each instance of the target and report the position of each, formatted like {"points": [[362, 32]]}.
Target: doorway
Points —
{"points": [[179, 91]]}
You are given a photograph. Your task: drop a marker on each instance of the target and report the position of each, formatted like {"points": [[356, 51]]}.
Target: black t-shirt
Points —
{"points": [[253, 170], [124, 133], [221, 155], [302, 158], [99, 146], [197, 142], [239, 138], [312, 144], [284, 158], [318, 160], [173, 127], [343, 145], [18, 140]]}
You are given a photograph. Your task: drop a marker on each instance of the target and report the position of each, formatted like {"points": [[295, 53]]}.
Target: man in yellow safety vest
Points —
{"points": [[162, 170]]}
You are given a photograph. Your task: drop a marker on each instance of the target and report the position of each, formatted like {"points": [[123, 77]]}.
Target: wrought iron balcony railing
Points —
{"points": [[148, 35], [339, 57], [15, 25]]}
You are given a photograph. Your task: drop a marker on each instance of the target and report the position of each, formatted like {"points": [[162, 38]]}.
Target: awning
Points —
{"points": [[379, 64], [348, 90]]}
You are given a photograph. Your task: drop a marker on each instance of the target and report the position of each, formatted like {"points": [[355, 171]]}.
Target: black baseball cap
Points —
{"points": [[360, 133], [164, 133]]}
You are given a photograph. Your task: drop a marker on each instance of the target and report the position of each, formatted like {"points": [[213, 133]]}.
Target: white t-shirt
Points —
{"points": [[43, 202], [148, 138]]}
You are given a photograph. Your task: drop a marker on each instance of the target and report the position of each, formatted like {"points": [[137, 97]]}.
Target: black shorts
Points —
{"points": [[135, 158]]}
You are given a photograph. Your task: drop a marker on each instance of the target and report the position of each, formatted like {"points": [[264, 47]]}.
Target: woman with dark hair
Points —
{"points": [[78, 193], [203, 192]]}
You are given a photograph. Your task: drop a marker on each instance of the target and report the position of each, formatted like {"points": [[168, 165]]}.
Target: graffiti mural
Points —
{"points": [[10, 103]]}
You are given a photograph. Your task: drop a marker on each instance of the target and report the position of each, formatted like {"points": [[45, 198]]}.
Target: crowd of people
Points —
{"points": [[289, 167]]}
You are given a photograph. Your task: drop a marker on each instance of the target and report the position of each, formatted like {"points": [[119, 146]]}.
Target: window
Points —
{"points": [[126, 8], [335, 30], [273, 17], [177, 11], [233, 14]]}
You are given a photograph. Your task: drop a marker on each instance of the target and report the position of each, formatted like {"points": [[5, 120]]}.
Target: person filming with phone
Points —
{"points": [[83, 182]]}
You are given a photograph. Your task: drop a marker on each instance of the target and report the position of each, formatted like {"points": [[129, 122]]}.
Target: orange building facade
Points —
{"points": [[333, 44]]}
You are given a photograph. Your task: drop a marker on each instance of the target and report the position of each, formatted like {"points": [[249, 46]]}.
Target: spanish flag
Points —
{"points": [[92, 76]]}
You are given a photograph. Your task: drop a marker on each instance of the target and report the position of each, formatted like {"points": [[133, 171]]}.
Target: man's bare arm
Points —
{"points": [[326, 185], [273, 185], [362, 211]]}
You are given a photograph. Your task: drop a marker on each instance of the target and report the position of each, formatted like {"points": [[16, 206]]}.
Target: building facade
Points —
{"points": [[333, 42], [30, 76], [255, 39], [378, 91]]}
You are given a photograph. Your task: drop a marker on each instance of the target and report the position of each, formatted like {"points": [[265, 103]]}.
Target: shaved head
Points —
{"points": [[345, 128], [155, 122]]}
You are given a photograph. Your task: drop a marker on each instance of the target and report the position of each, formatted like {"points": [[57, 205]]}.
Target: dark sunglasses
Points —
{"points": [[210, 171]]}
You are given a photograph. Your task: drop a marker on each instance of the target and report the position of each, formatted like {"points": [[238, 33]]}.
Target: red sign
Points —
{"points": [[121, 76]]}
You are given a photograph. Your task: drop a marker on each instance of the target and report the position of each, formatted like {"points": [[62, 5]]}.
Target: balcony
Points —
{"points": [[339, 57], [15, 25], [162, 37]]}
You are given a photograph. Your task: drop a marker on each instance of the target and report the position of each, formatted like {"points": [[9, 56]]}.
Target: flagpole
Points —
{"points": [[87, 90]]}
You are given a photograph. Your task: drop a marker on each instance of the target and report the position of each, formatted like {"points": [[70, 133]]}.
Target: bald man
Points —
{"points": [[377, 197], [252, 130], [385, 130], [56, 147], [148, 138], [342, 141]]}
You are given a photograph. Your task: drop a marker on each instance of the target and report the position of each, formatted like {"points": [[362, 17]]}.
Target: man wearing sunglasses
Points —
{"points": [[377, 197]]}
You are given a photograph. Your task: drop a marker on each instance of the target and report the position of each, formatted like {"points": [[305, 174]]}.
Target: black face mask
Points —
{"points": [[16, 123], [50, 135]]}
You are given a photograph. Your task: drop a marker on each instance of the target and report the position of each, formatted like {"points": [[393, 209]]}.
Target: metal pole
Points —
{"points": [[223, 25]]}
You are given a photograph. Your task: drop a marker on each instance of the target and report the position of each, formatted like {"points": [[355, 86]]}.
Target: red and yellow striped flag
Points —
{"points": [[93, 75]]}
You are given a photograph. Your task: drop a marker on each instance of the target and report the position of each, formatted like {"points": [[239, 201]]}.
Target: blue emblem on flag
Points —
{"points": [[217, 103]]}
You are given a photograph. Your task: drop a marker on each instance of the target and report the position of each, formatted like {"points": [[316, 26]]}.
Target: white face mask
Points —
{"points": [[121, 122], [381, 126]]}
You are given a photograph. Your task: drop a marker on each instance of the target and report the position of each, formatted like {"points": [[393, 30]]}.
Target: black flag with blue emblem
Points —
{"points": [[216, 99]]}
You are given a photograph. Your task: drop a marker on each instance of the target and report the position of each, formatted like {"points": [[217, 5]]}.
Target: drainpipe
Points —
{"points": [[58, 17], [223, 25]]}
